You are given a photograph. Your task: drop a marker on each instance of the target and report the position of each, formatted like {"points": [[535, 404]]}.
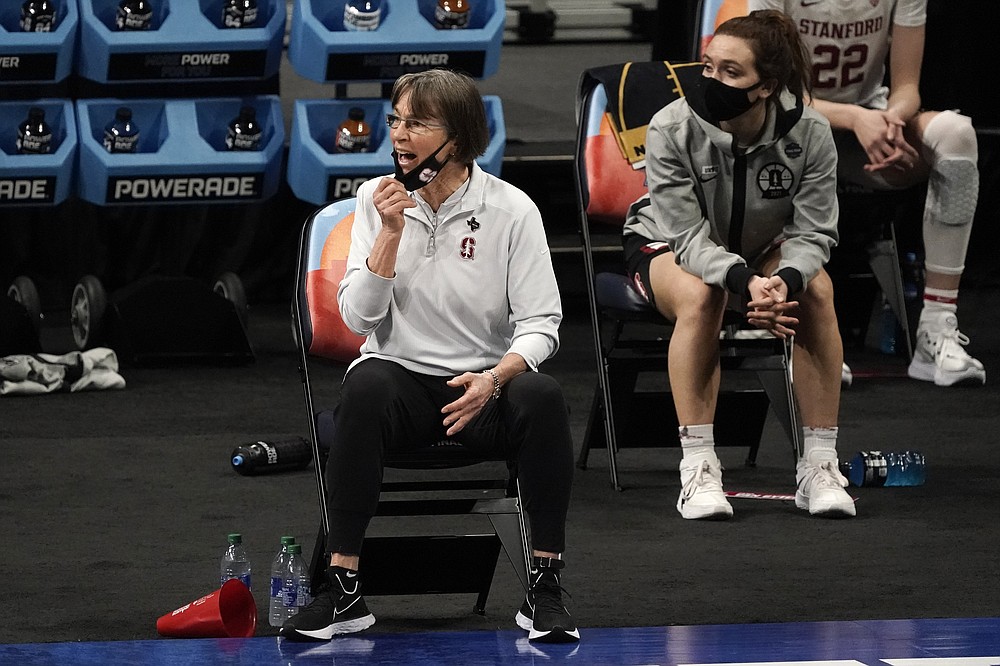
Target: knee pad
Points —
{"points": [[953, 187], [954, 181], [952, 191], [950, 136]]}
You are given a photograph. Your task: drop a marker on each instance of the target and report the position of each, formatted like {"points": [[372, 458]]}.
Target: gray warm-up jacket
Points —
{"points": [[719, 208]]}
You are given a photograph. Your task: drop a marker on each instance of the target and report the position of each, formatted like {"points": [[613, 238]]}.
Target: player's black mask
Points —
{"points": [[721, 101]]}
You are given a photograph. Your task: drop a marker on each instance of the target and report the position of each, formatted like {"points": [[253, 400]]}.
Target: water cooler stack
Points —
{"points": [[36, 59], [155, 129], [130, 48], [339, 43]]}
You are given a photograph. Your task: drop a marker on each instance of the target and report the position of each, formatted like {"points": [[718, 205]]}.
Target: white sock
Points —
{"points": [[819, 444], [938, 303], [697, 441]]}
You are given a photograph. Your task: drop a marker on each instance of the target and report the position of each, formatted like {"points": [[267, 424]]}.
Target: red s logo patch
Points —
{"points": [[468, 250]]}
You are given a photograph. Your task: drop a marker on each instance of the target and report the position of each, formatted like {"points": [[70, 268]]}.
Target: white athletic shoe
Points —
{"points": [[846, 376], [701, 495], [940, 357], [820, 489]]}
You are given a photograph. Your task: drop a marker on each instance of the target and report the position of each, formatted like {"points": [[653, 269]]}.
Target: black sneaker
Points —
{"points": [[338, 608], [543, 614]]}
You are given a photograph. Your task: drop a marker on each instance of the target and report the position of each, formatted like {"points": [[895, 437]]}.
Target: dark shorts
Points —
{"points": [[639, 252]]}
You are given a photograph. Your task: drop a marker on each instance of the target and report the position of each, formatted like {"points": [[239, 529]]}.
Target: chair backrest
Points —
{"points": [[711, 14], [614, 106], [323, 249]]}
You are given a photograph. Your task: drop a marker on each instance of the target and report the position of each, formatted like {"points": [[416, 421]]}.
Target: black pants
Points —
{"points": [[385, 407]]}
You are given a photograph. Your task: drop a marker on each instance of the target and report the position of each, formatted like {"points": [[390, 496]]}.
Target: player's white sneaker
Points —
{"points": [[941, 358], [820, 489], [701, 495], [846, 376]]}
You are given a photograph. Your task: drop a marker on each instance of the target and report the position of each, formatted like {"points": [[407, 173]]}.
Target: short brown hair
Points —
{"points": [[452, 98]]}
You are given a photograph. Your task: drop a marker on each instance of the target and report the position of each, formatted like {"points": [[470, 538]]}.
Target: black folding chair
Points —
{"points": [[630, 336], [433, 487]]}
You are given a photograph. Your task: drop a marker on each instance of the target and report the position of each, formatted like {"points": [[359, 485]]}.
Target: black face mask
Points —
{"points": [[423, 173], [723, 102]]}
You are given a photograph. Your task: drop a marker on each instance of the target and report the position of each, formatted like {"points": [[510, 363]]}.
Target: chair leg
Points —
{"points": [[509, 529], [884, 261], [319, 562], [595, 425], [777, 384], [610, 435]]}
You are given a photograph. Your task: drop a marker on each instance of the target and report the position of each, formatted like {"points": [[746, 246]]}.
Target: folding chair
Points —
{"points": [[398, 564], [630, 336]]}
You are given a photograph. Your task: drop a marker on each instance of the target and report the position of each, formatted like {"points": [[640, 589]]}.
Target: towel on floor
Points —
{"points": [[25, 374]]}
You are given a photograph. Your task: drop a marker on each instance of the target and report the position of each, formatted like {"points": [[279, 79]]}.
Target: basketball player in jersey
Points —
{"points": [[885, 140]]}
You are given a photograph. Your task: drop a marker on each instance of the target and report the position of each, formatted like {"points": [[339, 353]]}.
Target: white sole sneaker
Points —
{"points": [[820, 490], [940, 357], [928, 371], [701, 496]]}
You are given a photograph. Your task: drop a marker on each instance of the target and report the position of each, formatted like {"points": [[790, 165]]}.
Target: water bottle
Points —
{"points": [[889, 468], [914, 277], [354, 134], [276, 607], [452, 14], [235, 562], [134, 15], [239, 14], [121, 135], [38, 16], [265, 457], [296, 581], [244, 133], [362, 15], [34, 137], [887, 329]]}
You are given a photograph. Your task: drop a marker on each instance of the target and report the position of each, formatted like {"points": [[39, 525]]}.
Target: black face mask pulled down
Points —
{"points": [[722, 102], [423, 173]]}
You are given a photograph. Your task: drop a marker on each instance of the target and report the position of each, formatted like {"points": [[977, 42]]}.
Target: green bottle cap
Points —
{"points": [[235, 537], [287, 540], [295, 548]]}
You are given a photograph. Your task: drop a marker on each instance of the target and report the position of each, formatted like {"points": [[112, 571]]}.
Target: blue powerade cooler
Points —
{"points": [[317, 173], [46, 179], [187, 42], [181, 155], [406, 40], [36, 57]]}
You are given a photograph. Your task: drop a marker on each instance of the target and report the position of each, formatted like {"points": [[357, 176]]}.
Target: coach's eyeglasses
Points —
{"points": [[412, 124]]}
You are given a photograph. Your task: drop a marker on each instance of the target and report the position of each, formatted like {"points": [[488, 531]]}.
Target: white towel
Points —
{"points": [[24, 374]]}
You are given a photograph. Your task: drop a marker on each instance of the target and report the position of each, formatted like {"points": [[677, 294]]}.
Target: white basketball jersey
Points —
{"points": [[848, 42]]}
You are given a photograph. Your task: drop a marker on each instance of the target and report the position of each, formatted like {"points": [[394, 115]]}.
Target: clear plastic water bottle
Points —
{"points": [[235, 562], [121, 135], [889, 468], [239, 13], [887, 329], [914, 276], [296, 582], [34, 137], [362, 15], [276, 607], [134, 15], [244, 133], [38, 16]]}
